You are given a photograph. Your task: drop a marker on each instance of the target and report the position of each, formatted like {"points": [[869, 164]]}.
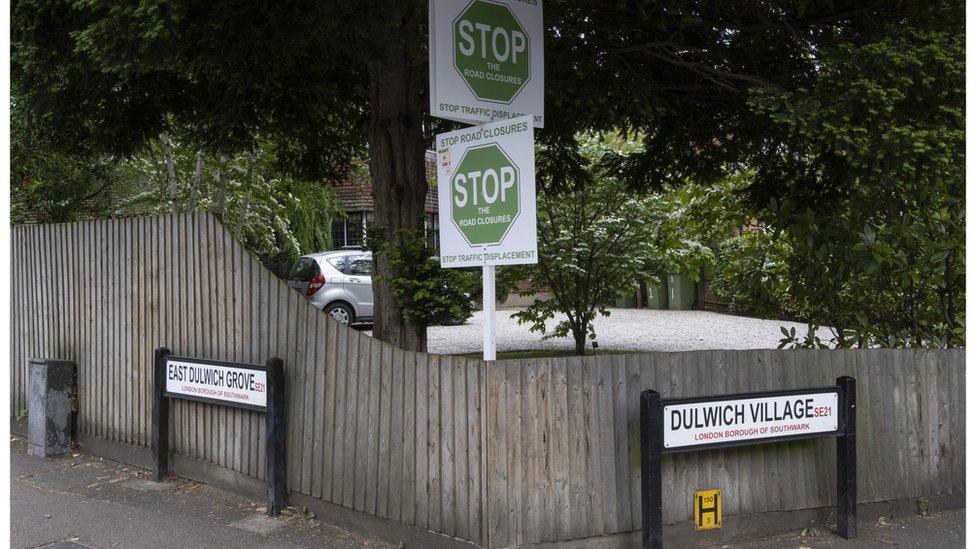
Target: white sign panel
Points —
{"points": [[486, 60], [230, 383], [486, 195], [743, 419]]}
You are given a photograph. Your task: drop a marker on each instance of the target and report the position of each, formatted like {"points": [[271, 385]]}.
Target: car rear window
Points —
{"points": [[339, 262], [304, 269]]}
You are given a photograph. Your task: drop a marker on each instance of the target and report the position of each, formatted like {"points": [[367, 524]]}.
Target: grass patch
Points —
{"points": [[546, 353]]}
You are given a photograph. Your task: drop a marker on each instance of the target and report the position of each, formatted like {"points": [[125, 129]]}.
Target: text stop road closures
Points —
{"points": [[486, 60], [486, 193]]}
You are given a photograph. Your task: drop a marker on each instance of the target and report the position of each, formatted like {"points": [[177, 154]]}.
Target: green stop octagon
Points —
{"points": [[484, 195], [491, 51]]}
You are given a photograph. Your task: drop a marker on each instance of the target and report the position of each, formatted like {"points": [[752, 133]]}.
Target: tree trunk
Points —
{"points": [[579, 338], [397, 149]]}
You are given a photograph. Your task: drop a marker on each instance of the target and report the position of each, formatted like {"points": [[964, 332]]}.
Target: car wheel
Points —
{"points": [[340, 312]]}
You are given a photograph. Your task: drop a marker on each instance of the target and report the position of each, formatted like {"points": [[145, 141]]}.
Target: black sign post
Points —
{"points": [[275, 443], [653, 447], [274, 409]]}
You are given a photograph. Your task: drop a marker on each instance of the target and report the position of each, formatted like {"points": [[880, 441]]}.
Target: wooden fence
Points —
{"points": [[506, 454], [563, 437], [390, 433]]}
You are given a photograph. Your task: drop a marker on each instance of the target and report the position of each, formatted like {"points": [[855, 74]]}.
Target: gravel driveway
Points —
{"points": [[625, 329]]}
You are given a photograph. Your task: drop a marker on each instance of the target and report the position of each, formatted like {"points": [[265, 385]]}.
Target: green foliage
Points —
{"points": [[809, 341], [696, 223], [276, 216], [424, 291], [749, 271], [593, 240], [864, 199], [598, 237], [50, 185]]}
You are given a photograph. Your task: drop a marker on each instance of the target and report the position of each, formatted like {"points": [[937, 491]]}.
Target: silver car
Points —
{"points": [[338, 282]]}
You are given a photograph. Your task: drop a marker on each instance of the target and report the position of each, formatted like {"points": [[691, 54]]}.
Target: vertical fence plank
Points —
{"points": [[435, 436], [394, 462], [411, 407], [337, 447], [598, 515], [423, 442], [384, 354], [531, 437], [362, 432], [576, 450], [559, 435], [447, 458], [499, 480], [372, 432], [459, 433]]}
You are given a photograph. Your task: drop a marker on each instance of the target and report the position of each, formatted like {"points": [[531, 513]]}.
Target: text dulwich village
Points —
{"points": [[729, 415]]}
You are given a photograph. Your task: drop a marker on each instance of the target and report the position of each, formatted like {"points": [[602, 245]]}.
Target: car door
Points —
{"points": [[359, 282]]}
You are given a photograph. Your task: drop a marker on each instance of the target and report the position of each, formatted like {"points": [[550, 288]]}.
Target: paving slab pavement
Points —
{"points": [[944, 529], [85, 501]]}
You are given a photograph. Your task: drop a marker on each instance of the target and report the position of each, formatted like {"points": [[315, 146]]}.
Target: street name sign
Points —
{"points": [[486, 193], [248, 386], [239, 385], [486, 60], [674, 425], [695, 423]]}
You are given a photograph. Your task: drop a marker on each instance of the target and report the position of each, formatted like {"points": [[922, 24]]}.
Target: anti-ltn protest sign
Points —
{"points": [[486, 60], [486, 194]]}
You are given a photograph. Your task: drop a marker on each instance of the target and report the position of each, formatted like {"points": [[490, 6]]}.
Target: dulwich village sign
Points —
{"points": [[486, 60], [703, 423]]}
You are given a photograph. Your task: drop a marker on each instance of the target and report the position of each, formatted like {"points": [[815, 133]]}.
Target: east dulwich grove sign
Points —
{"points": [[486, 60], [486, 192]]}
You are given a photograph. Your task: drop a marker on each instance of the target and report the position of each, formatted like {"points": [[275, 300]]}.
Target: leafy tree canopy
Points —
{"points": [[100, 75], [860, 195]]}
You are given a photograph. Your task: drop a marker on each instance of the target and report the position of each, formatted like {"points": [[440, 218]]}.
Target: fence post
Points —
{"points": [[651, 432], [160, 416], [847, 460], [275, 436]]}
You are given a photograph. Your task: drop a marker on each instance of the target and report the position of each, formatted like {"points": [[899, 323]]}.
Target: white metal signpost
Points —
{"points": [[486, 60], [486, 203]]}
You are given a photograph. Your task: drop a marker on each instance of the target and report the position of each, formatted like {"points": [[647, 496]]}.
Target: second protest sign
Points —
{"points": [[486, 192]]}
